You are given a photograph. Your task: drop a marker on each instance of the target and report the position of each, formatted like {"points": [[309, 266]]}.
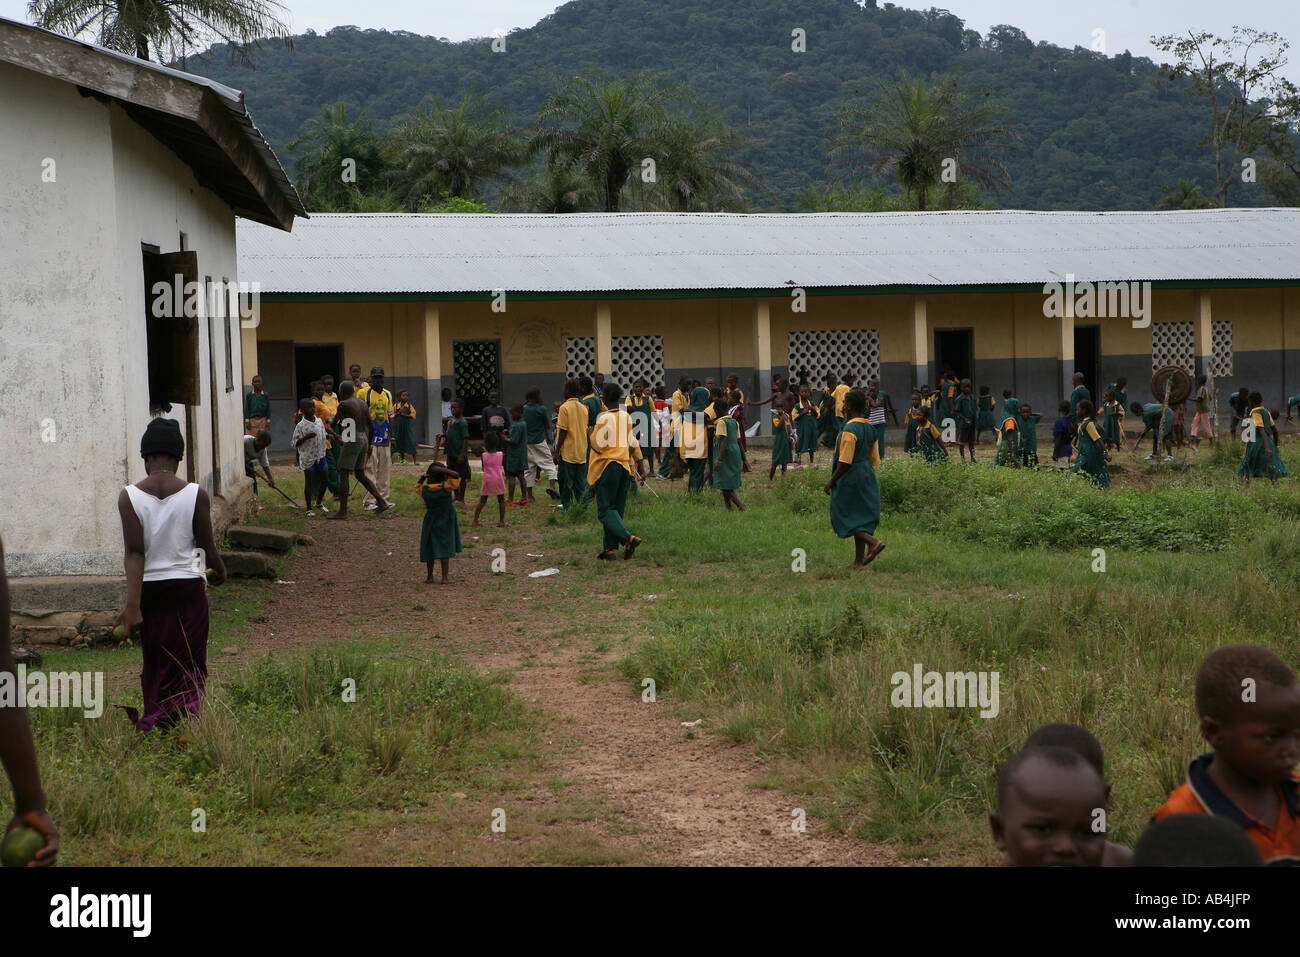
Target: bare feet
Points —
{"points": [[476, 523], [503, 524], [428, 581]]}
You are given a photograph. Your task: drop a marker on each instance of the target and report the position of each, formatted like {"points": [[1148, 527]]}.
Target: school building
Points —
{"points": [[476, 302], [119, 174]]}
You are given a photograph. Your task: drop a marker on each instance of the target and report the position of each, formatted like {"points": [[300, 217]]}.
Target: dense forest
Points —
{"points": [[1096, 132]]}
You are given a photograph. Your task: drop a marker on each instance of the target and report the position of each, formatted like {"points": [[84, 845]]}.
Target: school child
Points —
{"points": [[612, 471], [1179, 439], [1201, 420], [494, 479], [694, 438], [726, 452], [440, 531], [1240, 405], [1009, 428], [660, 426], [965, 413], [1120, 388], [458, 447], [1082, 742], [886, 402], [309, 440], [1152, 413], [929, 440], [1046, 814], [781, 444], [404, 427], [1261, 459], [911, 419], [540, 460], [327, 407], [1193, 840], [516, 461], [738, 413], [446, 410], [1063, 439], [984, 414], [854, 491], [826, 428], [641, 409], [1093, 455], [928, 400], [805, 423], [681, 399], [1080, 394], [1248, 703], [876, 415], [839, 392], [947, 396], [1112, 421], [1027, 440], [571, 448]]}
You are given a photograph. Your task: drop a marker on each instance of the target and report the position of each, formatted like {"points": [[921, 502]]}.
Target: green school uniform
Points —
{"points": [[964, 408], [984, 418], [693, 419], [1027, 440], [911, 420], [805, 422], [826, 423], [927, 444], [727, 432], [537, 419], [516, 462], [457, 436], [1121, 395], [643, 418], [1080, 394], [1092, 457], [1112, 418], [440, 532], [781, 454], [1151, 418], [594, 408], [404, 430], [1009, 432], [1257, 463], [855, 497], [257, 405]]}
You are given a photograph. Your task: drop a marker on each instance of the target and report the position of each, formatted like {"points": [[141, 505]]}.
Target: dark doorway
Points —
{"points": [[1087, 358], [476, 364], [313, 361], [954, 349]]}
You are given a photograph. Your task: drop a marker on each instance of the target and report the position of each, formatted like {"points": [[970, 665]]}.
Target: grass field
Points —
{"points": [[986, 570]]}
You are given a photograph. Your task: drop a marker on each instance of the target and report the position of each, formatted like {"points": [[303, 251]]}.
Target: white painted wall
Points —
{"points": [[72, 320]]}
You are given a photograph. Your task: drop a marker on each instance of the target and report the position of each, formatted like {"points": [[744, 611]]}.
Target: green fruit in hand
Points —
{"points": [[208, 572], [20, 846], [119, 632]]}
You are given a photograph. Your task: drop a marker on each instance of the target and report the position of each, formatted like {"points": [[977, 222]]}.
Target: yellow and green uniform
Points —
{"points": [[984, 415], [440, 531], [1092, 457], [911, 420], [327, 406], [642, 411], [679, 401], [944, 407], [516, 461], [855, 496], [1112, 422], [805, 423], [1027, 440], [1151, 414], [827, 427], [611, 472], [927, 442], [839, 392], [404, 428], [1121, 395], [574, 452], [1008, 446], [1080, 394], [781, 452], [695, 438], [1257, 462], [726, 432]]}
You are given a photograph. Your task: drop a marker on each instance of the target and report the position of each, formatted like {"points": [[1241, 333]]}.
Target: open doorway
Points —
{"points": [[954, 349], [310, 362], [1087, 357]]}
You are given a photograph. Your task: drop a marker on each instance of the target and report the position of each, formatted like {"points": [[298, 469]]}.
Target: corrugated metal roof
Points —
{"points": [[602, 252]]}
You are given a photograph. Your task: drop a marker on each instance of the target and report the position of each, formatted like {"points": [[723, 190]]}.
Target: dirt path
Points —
{"points": [[682, 800]]}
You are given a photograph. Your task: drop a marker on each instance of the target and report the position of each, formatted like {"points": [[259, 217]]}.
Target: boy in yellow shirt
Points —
{"points": [[611, 472], [571, 446]]}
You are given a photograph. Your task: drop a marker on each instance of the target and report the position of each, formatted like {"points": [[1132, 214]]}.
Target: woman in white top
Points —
{"points": [[167, 530]]}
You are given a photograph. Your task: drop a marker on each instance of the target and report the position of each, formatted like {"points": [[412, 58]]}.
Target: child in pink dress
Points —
{"points": [[494, 478]]}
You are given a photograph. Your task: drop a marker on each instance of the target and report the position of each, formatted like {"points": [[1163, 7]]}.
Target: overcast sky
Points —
{"points": [[1127, 23]]}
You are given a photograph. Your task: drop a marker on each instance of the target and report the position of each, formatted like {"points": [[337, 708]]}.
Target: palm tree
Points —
{"points": [[451, 151], [913, 127], [1184, 194], [604, 129], [697, 170], [330, 151], [555, 189], [168, 27]]}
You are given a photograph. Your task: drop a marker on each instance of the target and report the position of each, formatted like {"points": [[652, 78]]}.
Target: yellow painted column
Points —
{"points": [[432, 372], [1065, 353], [604, 341], [763, 361], [920, 343], [1203, 331], [248, 345]]}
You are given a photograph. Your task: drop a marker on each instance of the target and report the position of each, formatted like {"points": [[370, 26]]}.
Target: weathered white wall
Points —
{"points": [[72, 320]]}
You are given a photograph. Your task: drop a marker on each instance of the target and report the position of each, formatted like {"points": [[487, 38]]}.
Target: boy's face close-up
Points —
{"points": [[1261, 741], [1048, 817]]}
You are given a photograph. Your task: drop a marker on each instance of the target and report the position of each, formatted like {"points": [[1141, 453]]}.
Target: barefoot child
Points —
{"points": [[494, 480], [780, 438], [404, 427], [726, 450], [440, 532], [516, 462], [805, 420], [854, 491]]}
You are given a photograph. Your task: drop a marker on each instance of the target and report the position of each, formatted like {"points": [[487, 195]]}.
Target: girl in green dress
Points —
{"points": [[1093, 454], [826, 427], [854, 492], [404, 428], [781, 454], [984, 413], [913, 416], [695, 444], [641, 407], [440, 533], [929, 440], [726, 445], [805, 420], [1112, 420], [1261, 459]]}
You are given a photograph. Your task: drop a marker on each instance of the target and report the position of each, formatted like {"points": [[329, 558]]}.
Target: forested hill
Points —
{"points": [[1097, 132]]}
